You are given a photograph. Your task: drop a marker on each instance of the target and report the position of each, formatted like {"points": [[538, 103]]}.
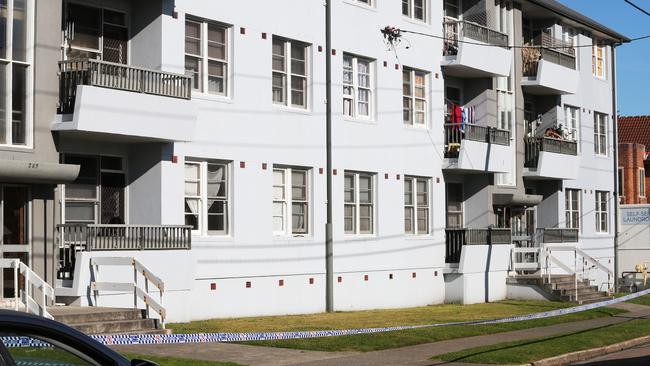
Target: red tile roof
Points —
{"points": [[634, 129]]}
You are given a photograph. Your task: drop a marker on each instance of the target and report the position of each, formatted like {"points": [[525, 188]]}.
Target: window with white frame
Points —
{"points": [[206, 197], [290, 201], [416, 205], [598, 61], [414, 83], [16, 73], [602, 215], [357, 87], [641, 182], [573, 123], [600, 133], [415, 9], [454, 206], [621, 186], [359, 204], [572, 208], [206, 56], [290, 72]]}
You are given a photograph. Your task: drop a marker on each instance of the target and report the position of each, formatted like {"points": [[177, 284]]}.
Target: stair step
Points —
{"points": [[73, 316], [121, 326]]}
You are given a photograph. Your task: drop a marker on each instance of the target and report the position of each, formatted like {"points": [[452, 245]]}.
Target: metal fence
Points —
{"points": [[74, 238], [455, 29], [549, 48], [456, 133], [455, 239], [533, 145], [117, 76], [557, 235]]}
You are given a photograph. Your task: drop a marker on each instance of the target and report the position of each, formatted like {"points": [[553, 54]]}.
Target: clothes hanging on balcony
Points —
{"points": [[456, 116]]}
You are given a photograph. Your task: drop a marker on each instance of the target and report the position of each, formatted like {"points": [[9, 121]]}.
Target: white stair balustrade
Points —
{"points": [[36, 293]]}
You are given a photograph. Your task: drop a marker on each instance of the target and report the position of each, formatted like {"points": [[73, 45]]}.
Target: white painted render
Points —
{"points": [[552, 78], [555, 166], [245, 130], [475, 59]]}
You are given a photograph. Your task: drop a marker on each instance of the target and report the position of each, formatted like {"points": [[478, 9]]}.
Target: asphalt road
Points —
{"points": [[637, 356]]}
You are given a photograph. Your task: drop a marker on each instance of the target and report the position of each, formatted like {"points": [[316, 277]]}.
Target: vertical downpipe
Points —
{"points": [[615, 149], [329, 241]]}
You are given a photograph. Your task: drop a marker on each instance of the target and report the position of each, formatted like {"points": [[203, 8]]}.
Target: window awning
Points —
{"points": [[20, 171], [516, 199]]}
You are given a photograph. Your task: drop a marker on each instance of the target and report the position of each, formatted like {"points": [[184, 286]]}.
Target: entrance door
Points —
{"points": [[15, 233]]}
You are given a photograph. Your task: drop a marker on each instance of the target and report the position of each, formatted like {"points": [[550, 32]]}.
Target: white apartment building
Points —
{"points": [[199, 129]]}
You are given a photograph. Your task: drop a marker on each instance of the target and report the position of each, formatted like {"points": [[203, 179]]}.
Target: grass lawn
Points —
{"points": [[171, 361], [533, 350], [643, 300], [382, 318]]}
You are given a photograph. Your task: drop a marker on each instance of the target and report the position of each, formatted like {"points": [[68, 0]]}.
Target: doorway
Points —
{"points": [[15, 242]]}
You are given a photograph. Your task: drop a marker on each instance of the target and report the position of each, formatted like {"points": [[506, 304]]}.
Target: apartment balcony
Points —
{"points": [[76, 238], [557, 235], [118, 102], [465, 53], [550, 68], [456, 239], [550, 158], [474, 148]]}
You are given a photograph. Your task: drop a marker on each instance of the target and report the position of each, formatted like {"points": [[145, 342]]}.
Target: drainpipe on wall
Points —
{"points": [[329, 240], [615, 149]]}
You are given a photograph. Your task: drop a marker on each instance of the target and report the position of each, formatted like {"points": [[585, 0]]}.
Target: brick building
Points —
{"points": [[634, 177]]}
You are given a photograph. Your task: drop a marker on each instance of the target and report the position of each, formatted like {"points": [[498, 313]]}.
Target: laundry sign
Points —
{"points": [[635, 216]]}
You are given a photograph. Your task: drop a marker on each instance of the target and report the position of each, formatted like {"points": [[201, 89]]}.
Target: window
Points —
{"points": [[289, 73], [206, 56], [23, 348], [415, 9], [359, 205], [95, 33], [573, 123], [206, 197], [598, 63], [621, 186], [641, 182], [415, 97], [600, 134], [602, 203], [452, 8], [454, 206], [416, 205], [16, 77], [572, 208], [290, 201], [357, 87]]}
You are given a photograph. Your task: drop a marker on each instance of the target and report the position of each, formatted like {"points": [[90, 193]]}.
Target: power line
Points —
{"points": [[637, 7], [392, 34]]}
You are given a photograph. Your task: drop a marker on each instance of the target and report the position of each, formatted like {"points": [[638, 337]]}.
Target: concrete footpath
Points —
{"points": [[418, 355]]}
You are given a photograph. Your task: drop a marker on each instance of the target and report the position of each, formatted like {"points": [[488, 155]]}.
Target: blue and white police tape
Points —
{"points": [[128, 339], [267, 336]]}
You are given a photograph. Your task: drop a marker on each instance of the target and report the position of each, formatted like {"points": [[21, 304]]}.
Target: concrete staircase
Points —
{"points": [[96, 320], [563, 288]]}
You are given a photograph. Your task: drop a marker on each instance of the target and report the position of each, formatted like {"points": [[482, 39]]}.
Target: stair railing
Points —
{"points": [[138, 292], [550, 258], [586, 258], [33, 304]]}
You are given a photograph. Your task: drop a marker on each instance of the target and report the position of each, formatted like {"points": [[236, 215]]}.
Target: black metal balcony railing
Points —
{"points": [[557, 235], [455, 134], [457, 238], [74, 238], [117, 76], [550, 49], [533, 145], [455, 29]]}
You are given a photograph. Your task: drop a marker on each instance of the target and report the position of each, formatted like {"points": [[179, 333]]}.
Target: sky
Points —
{"points": [[633, 60]]}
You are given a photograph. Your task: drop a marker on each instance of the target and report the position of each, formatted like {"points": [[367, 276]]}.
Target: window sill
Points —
{"points": [[284, 108], [212, 98], [359, 237], [418, 236], [359, 5], [359, 120], [422, 23], [16, 148], [423, 128], [600, 156], [205, 238], [292, 239]]}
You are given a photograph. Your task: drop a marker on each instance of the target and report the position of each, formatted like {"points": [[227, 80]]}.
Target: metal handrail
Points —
{"points": [[455, 133], [533, 146], [559, 235], [138, 292], [35, 305], [117, 76], [455, 239], [455, 29], [549, 48]]}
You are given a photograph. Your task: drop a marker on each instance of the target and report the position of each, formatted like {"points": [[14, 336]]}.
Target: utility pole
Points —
{"points": [[329, 241]]}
